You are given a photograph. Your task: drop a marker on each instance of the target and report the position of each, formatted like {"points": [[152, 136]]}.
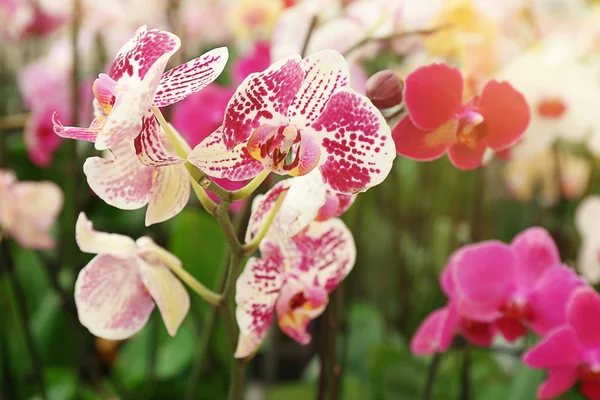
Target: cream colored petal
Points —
{"points": [[91, 241], [169, 194]]}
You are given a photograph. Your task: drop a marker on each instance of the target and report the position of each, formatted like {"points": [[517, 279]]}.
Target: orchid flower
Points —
{"points": [[570, 352], [28, 210], [296, 116], [586, 221], [116, 291], [293, 276], [438, 121], [306, 200], [136, 82], [523, 283]]}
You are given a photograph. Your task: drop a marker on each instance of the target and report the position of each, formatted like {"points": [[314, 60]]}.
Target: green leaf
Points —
{"points": [[365, 330], [175, 353], [525, 383]]}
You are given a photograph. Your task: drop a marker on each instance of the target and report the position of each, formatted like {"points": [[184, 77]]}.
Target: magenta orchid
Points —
{"points": [[28, 210], [570, 352], [438, 120], [136, 82], [116, 291], [293, 277], [296, 116]]}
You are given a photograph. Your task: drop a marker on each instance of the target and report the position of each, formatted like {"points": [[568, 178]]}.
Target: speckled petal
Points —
{"points": [[74, 132], [257, 290], [111, 299], [169, 195], [357, 146], [95, 242], [263, 98], [152, 145], [326, 73], [212, 157], [178, 83], [121, 181]]}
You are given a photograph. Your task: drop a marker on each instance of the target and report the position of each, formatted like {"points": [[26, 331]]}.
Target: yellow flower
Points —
{"points": [[254, 19]]}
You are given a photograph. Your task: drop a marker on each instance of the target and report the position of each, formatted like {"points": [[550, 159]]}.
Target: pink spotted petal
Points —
{"points": [[170, 193], [191, 77], [357, 146], [558, 382], [335, 205], [144, 50], [325, 254], [433, 95], [511, 328], [436, 332], [536, 253], [583, 314], [304, 196], [484, 275], [548, 301], [95, 242], [559, 349], [168, 292], [111, 299], [212, 157], [257, 290], [414, 143], [263, 98], [121, 180], [153, 147], [309, 155], [467, 157], [297, 306], [326, 73], [73, 132], [505, 113]]}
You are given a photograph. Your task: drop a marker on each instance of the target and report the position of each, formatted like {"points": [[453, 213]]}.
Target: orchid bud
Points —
{"points": [[384, 89]]}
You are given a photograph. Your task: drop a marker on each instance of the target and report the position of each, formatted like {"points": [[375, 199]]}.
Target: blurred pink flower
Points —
{"points": [[256, 60], [116, 291], [570, 352], [28, 210], [22, 18]]}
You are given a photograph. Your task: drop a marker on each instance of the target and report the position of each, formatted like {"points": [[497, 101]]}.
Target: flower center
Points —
{"points": [[469, 132], [589, 373], [277, 147], [551, 108], [519, 310]]}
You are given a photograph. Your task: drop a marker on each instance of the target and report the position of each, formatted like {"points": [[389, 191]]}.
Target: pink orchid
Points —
{"points": [[257, 60], [296, 116], [438, 121], [21, 18], [28, 210], [293, 276], [570, 352], [136, 82], [306, 200], [116, 291], [513, 285]]}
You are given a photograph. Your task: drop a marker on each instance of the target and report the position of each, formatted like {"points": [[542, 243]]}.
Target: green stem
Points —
{"points": [[251, 246], [431, 375], [250, 187], [238, 377]]}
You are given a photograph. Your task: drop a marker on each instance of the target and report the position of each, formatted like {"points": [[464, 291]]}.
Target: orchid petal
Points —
{"points": [[588, 259], [583, 314], [178, 83], [168, 292], [558, 349], [505, 113], [414, 143], [558, 382], [587, 215], [304, 197], [144, 50], [335, 205], [104, 88], [433, 95], [436, 332], [95, 242], [511, 328], [169, 194], [590, 389], [213, 158], [479, 333], [357, 147], [536, 253], [262, 98], [73, 132], [153, 147], [111, 299], [467, 157], [326, 73], [121, 181], [257, 290]]}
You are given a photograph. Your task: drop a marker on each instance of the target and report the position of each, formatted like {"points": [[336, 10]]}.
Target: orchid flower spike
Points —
{"points": [[116, 291], [296, 116]]}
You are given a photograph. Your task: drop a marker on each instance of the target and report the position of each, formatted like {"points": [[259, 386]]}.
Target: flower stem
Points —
{"points": [[431, 375], [250, 187], [251, 246]]}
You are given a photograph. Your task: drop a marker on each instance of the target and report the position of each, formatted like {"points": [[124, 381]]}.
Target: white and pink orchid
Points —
{"points": [[293, 276], [116, 291], [28, 210], [142, 168], [298, 115]]}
